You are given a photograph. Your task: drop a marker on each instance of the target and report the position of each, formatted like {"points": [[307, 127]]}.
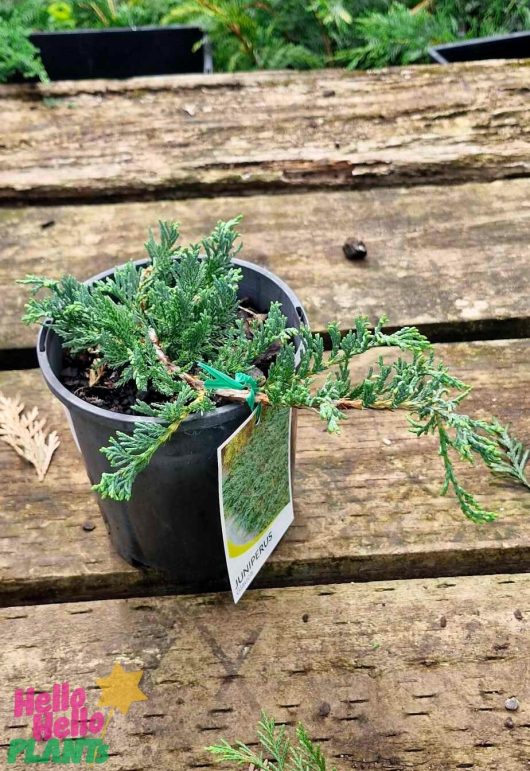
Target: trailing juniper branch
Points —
{"points": [[154, 326], [129, 454]]}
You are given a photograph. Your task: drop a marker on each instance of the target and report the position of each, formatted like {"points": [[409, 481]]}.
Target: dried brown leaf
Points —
{"points": [[25, 433], [94, 375]]}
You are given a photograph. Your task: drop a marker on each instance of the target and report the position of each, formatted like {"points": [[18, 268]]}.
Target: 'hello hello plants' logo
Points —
{"points": [[61, 718]]}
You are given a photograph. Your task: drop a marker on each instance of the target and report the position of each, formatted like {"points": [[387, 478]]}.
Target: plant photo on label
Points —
{"points": [[256, 481], [138, 342]]}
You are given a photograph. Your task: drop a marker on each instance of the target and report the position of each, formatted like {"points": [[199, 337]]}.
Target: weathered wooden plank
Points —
{"points": [[333, 128], [387, 676], [366, 502], [448, 258]]}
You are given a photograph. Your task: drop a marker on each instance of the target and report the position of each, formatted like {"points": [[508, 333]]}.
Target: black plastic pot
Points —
{"points": [[514, 46], [172, 522], [122, 52]]}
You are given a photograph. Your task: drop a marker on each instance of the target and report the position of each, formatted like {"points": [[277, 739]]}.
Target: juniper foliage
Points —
{"points": [[274, 34], [277, 752], [153, 325], [18, 55], [189, 302]]}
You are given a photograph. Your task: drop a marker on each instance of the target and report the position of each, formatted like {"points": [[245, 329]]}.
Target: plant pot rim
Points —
{"points": [[114, 30], [193, 422]]}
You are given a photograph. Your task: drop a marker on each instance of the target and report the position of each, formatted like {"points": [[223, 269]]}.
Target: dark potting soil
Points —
{"points": [[101, 388], [104, 392]]}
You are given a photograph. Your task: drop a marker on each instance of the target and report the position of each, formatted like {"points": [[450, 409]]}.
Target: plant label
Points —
{"points": [[255, 493]]}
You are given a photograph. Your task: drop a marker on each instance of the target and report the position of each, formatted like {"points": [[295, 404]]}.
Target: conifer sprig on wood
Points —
{"points": [[153, 325], [276, 752]]}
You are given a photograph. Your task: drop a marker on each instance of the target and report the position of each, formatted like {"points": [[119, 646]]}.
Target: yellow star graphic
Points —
{"points": [[120, 689]]}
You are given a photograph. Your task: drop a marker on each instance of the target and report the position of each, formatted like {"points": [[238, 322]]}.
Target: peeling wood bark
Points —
{"points": [[251, 132], [366, 502], [415, 673], [448, 258]]}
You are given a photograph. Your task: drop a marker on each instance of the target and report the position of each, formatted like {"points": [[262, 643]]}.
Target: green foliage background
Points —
{"points": [[274, 34], [256, 487]]}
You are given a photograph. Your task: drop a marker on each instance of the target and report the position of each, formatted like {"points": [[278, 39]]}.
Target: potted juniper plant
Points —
{"points": [[130, 354]]}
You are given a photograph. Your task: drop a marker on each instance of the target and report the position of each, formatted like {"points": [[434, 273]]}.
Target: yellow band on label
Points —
{"points": [[237, 549]]}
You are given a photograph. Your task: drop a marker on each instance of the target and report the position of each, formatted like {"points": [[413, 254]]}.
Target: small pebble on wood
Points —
{"points": [[518, 615], [512, 704], [354, 249], [509, 723], [88, 525], [305, 618], [324, 709]]}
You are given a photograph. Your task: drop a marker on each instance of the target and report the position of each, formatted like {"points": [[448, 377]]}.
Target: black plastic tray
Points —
{"points": [[122, 52], [513, 46]]}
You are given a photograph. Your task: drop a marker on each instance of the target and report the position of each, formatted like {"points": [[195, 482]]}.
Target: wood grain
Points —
{"points": [[202, 134], [453, 259], [387, 676], [366, 502]]}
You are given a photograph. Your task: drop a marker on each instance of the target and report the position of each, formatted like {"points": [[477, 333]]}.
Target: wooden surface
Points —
{"points": [[388, 676], [407, 667], [366, 502], [453, 259], [254, 132]]}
